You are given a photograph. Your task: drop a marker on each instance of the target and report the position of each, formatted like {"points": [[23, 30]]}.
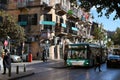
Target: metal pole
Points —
{"points": [[17, 69], [9, 72], [24, 68]]}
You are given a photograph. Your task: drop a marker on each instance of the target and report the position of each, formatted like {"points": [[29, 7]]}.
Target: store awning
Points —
{"points": [[74, 28], [63, 25], [48, 23], [23, 23]]}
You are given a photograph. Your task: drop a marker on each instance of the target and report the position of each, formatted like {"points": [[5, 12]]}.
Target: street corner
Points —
{"points": [[15, 76], [21, 75]]}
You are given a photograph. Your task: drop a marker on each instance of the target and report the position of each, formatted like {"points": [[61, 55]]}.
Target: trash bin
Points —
{"points": [[30, 57]]}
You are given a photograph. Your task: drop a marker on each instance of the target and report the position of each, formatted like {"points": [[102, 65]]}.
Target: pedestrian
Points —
{"points": [[6, 61], [44, 56], [65, 58], [98, 62], [37, 55], [65, 54]]}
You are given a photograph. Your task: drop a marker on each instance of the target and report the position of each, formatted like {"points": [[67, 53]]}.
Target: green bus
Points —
{"points": [[83, 54]]}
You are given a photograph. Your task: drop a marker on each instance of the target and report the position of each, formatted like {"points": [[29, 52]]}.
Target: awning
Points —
{"points": [[63, 25], [47, 23], [74, 28], [24, 23]]}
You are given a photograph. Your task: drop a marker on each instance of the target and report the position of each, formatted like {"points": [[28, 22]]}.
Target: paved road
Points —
{"points": [[55, 71]]}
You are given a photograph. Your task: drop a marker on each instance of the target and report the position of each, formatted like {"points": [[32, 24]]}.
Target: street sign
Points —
{"points": [[5, 43]]}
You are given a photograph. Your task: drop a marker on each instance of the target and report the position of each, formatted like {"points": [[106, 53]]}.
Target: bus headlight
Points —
{"points": [[87, 63]]}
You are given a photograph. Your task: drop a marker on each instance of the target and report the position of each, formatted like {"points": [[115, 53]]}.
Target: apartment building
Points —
{"points": [[50, 25]]}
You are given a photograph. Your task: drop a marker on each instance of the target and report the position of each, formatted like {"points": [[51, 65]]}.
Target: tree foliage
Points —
{"points": [[98, 33], [9, 27], [109, 6], [109, 43], [116, 37]]}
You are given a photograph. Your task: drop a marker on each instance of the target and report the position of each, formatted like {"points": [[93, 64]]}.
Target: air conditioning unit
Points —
{"points": [[32, 39]]}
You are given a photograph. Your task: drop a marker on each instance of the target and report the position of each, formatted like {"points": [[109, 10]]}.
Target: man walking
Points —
{"points": [[98, 62], [44, 56], [6, 61]]}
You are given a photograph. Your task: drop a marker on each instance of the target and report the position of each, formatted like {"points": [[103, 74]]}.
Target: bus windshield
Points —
{"points": [[77, 53]]}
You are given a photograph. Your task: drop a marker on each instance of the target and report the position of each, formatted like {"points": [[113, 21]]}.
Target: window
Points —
{"points": [[61, 20], [56, 18], [26, 19], [48, 27], [3, 1], [48, 17], [23, 20], [34, 19]]}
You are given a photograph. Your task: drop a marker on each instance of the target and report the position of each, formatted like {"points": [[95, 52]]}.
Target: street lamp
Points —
{"points": [[61, 49], [46, 48], [8, 39]]}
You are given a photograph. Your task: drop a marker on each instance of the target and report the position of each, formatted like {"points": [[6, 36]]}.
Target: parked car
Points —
{"points": [[113, 60], [15, 58]]}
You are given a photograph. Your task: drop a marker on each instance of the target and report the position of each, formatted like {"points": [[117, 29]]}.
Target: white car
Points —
{"points": [[15, 58]]}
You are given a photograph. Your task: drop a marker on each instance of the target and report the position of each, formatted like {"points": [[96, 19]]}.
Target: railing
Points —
{"points": [[34, 3], [27, 3], [75, 11], [21, 4], [62, 6]]}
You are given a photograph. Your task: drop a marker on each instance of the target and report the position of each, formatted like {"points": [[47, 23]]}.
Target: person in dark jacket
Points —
{"points": [[98, 62], [44, 57], [65, 58], [6, 61]]}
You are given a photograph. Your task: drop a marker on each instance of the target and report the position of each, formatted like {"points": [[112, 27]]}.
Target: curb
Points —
{"points": [[21, 75]]}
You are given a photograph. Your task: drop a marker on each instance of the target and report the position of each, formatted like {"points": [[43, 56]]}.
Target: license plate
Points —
{"points": [[78, 63], [113, 61]]}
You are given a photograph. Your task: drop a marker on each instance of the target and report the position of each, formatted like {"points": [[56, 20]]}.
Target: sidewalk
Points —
{"points": [[29, 71], [23, 71], [15, 76]]}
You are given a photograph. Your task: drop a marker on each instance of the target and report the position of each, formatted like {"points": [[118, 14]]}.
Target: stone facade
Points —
{"points": [[57, 22]]}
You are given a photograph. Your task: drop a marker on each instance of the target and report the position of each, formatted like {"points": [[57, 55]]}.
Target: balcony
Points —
{"points": [[60, 29], [31, 4], [21, 4], [72, 16], [60, 10], [73, 31], [3, 6]]}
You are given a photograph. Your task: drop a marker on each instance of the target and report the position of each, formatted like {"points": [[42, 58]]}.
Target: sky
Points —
{"points": [[109, 24]]}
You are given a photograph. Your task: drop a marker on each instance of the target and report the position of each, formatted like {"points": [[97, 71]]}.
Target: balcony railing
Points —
{"points": [[29, 4], [21, 4], [75, 11], [60, 29], [34, 3], [62, 8]]}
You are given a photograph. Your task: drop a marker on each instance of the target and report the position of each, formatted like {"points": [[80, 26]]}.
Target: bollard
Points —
{"points": [[17, 69], [9, 72], [24, 68]]}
